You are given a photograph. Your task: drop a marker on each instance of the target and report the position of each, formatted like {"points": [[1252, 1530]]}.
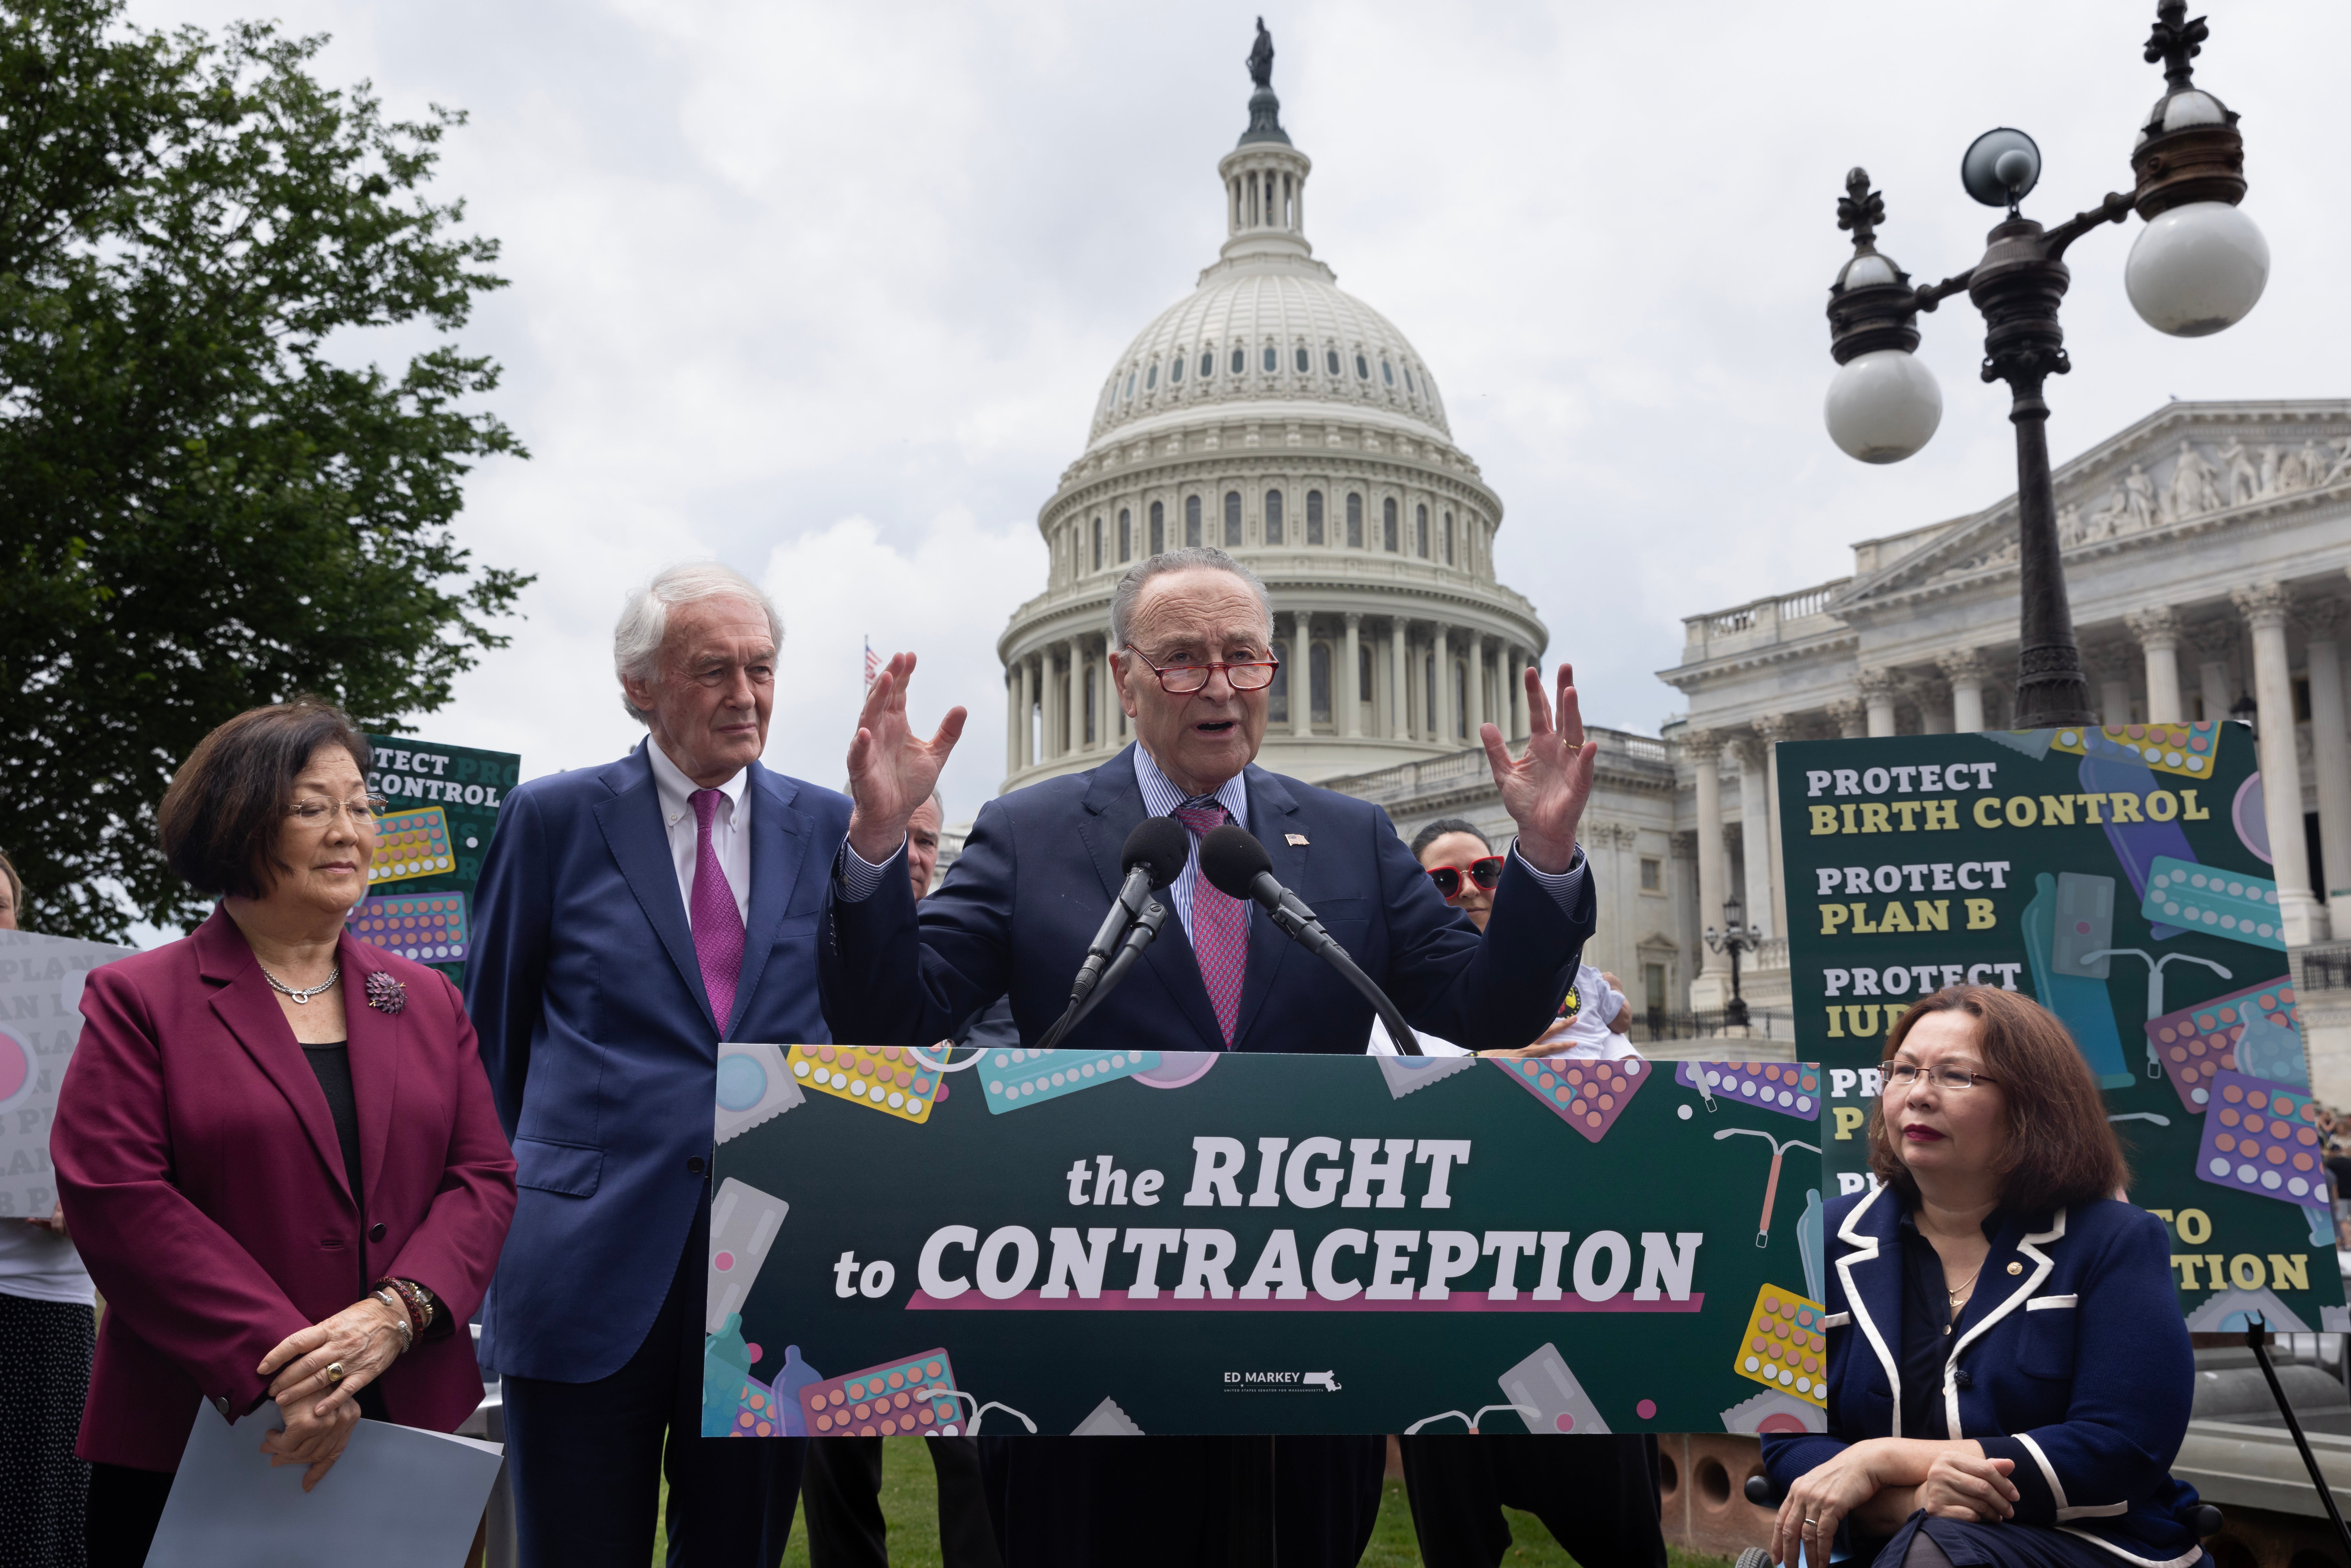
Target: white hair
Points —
{"points": [[1192, 557], [644, 619]]}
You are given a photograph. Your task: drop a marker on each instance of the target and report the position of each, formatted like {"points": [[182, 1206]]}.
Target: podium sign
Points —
{"points": [[2121, 878], [1100, 1242]]}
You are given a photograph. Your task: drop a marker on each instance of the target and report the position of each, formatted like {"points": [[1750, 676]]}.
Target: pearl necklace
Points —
{"points": [[300, 997]]}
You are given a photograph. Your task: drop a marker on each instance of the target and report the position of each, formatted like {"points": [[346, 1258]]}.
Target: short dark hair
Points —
{"points": [[219, 821], [2061, 1150], [1444, 825]]}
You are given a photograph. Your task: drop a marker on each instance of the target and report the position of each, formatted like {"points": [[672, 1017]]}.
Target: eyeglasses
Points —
{"points": [[1485, 873], [316, 813], [1905, 1075], [1183, 680]]}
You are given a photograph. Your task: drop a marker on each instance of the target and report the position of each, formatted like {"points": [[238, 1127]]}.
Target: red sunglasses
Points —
{"points": [[1485, 873]]}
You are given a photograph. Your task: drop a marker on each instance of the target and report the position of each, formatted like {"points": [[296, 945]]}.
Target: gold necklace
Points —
{"points": [[1964, 1286]]}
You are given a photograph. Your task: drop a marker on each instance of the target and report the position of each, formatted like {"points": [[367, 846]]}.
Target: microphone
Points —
{"points": [[1140, 935], [1236, 865], [1152, 856]]}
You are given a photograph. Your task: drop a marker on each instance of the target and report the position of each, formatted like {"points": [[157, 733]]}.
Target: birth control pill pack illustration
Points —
{"points": [[1790, 1088], [427, 927], [1785, 1346], [916, 1394], [896, 1081], [2264, 1140], [1014, 1078], [1587, 1095], [2194, 1045], [411, 844]]}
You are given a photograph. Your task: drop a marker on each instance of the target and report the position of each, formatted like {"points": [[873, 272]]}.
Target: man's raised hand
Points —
{"points": [[1545, 791], [890, 773]]}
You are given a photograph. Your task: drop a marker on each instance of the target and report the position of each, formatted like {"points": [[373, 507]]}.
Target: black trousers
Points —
{"points": [[587, 1459], [45, 1356], [1182, 1502], [842, 1498], [1597, 1496]]}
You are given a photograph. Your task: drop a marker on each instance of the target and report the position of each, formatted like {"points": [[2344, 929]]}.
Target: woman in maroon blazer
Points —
{"points": [[276, 1146]]}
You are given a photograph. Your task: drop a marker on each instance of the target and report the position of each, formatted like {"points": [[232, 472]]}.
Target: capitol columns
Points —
{"points": [[1077, 646], [2266, 608], [1755, 827], [1876, 689], [1351, 703], [1440, 723], [2214, 641], [1769, 731], [1024, 740], [1522, 725], [2158, 633], [2111, 666], [1847, 714], [1474, 687], [2330, 751], [1704, 748], [1302, 673], [1969, 675], [1397, 724]]}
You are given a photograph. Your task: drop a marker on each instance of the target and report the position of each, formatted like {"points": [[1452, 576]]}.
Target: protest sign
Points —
{"points": [[41, 979], [441, 805], [1103, 1241], [2121, 878]]}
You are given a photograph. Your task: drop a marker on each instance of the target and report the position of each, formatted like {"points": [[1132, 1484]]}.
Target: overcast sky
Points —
{"points": [[828, 292]]}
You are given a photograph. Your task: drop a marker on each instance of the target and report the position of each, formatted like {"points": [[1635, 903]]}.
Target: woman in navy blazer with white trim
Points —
{"points": [[2010, 1374]]}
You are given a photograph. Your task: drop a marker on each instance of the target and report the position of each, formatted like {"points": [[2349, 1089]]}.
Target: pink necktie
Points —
{"points": [[1219, 928], [718, 924]]}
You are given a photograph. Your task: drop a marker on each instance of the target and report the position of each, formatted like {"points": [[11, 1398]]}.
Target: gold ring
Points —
{"points": [[334, 1372]]}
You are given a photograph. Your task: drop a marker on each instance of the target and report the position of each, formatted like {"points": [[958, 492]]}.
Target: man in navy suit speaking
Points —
{"points": [[1193, 635], [628, 919]]}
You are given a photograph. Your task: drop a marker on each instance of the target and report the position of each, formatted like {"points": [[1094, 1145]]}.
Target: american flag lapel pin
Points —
{"points": [[1297, 839]]}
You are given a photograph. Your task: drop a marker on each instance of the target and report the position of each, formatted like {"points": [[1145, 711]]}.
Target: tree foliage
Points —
{"points": [[209, 497]]}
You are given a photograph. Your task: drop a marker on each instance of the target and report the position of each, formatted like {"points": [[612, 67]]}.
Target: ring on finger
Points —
{"points": [[334, 1373]]}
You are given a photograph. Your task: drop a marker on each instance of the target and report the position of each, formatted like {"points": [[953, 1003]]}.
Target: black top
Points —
{"points": [[332, 1063], [1928, 1328]]}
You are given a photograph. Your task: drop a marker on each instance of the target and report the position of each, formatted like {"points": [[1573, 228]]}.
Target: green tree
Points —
{"points": [[210, 497]]}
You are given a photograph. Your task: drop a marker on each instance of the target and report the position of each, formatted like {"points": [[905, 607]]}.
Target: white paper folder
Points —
{"points": [[410, 1496]]}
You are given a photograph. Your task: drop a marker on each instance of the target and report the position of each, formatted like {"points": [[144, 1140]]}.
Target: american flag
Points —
{"points": [[872, 664]]}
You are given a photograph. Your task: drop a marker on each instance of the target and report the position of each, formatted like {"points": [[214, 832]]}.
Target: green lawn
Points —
{"points": [[910, 1504]]}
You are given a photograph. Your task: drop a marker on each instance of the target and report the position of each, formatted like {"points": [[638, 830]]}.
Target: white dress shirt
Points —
{"points": [[730, 829]]}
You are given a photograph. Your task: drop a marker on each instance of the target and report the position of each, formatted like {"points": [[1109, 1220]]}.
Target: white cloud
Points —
{"points": [[835, 286]]}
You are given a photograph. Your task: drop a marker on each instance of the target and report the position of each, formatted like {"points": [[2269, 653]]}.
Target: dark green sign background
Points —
{"points": [[865, 1185], [467, 785], [1916, 862]]}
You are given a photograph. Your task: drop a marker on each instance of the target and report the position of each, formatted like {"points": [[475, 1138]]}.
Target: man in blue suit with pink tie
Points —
{"points": [[628, 919], [1193, 660]]}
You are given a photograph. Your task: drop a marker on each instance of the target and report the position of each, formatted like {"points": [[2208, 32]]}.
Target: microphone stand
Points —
{"points": [[1139, 936], [1298, 922]]}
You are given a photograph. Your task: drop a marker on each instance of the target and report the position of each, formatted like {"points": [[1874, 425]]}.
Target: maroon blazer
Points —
{"points": [[202, 1181]]}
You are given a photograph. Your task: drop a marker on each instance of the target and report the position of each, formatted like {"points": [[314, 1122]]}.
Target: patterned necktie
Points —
{"points": [[1219, 926], [718, 924]]}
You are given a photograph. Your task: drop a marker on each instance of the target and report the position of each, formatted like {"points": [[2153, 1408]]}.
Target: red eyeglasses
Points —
{"points": [[1485, 873]]}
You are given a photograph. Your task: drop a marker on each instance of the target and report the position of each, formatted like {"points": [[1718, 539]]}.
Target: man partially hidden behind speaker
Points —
{"points": [[1192, 633]]}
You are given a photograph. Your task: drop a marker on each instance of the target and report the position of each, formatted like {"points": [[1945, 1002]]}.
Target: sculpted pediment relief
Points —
{"points": [[2144, 481]]}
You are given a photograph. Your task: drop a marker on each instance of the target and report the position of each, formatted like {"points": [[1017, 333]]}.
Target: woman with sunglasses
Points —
{"points": [[1594, 1017], [2010, 1374]]}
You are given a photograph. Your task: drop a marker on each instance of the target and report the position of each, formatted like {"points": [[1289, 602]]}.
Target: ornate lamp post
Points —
{"points": [[2197, 266], [1736, 937]]}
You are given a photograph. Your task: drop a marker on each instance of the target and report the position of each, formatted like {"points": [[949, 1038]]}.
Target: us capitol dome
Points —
{"points": [[1273, 414]]}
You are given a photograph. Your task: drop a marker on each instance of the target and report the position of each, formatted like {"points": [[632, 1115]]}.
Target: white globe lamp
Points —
{"points": [[1883, 407], [2196, 268]]}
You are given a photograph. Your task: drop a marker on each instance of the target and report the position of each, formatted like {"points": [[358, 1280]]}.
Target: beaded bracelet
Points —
{"points": [[415, 1300]]}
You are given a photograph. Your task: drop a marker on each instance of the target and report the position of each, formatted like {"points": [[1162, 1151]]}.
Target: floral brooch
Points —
{"points": [[384, 994]]}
